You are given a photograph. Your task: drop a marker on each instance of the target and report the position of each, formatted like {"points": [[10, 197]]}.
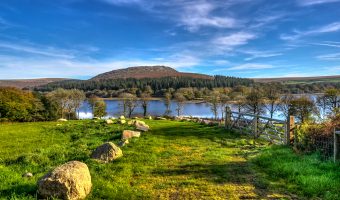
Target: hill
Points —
{"points": [[140, 72], [28, 83], [297, 80]]}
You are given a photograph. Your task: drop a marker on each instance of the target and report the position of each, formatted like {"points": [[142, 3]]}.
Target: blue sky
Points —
{"points": [[245, 38]]}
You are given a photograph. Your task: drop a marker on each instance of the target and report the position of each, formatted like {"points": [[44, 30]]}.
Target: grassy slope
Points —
{"points": [[176, 160]]}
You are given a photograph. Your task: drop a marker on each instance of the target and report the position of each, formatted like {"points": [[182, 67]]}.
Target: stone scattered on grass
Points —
{"points": [[160, 118], [109, 121], [71, 180], [123, 143], [127, 134], [27, 175], [140, 125], [122, 117], [62, 120], [107, 152], [122, 121]]}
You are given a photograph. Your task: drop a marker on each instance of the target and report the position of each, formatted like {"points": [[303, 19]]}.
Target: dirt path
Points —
{"points": [[205, 163]]}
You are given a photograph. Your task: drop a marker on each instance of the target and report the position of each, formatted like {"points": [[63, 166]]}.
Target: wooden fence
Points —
{"points": [[273, 130]]}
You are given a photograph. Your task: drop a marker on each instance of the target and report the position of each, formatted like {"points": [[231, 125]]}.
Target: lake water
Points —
{"points": [[157, 108]]}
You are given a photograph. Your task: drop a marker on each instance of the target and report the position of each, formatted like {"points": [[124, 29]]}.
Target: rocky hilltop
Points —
{"points": [[147, 72]]}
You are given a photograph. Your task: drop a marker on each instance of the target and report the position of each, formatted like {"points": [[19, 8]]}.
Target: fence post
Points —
{"points": [[256, 117], [336, 145], [290, 128], [227, 118]]}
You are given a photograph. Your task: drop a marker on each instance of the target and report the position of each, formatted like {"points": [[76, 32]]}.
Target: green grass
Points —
{"points": [[304, 175], [174, 160]]}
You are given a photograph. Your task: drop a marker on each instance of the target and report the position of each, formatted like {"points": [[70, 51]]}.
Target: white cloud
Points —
{"points": [[329, 28], [260, 54], [315, 2], [233, 40], [191, 14], [197, 14], [37, 49], [328, 44], [329, 57], [31, 67]]}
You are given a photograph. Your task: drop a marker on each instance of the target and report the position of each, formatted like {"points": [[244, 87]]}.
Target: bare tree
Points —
{"points": [[68, 101], [167, 102], [145, 98], [272, 97], [285, 105], [224, 100], [330, 101], [214, 101], [60, 97], [77, 97], [254, 101], [129, 103], [180, 99]]}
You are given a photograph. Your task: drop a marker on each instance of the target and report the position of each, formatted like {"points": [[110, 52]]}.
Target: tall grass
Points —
{"points": [[305, 175]]}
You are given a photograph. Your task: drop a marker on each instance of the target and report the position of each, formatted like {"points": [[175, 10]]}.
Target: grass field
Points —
{"points": [[174, 160]]}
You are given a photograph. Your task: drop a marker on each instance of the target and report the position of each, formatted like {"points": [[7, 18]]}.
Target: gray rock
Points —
{"points": [[107, 152], [71, 180]]}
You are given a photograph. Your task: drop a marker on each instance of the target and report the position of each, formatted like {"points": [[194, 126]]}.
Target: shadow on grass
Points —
{"points": [[231, 172], [172, 131], [22, 189]]}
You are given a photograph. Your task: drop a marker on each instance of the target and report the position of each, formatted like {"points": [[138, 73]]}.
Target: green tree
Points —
{"points": [[254, 101], [19, 105], [303, 108], [99, 109]]}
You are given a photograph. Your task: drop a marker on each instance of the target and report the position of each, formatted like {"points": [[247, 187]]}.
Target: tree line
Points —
{"points": [[23, 105], [110, 87]]}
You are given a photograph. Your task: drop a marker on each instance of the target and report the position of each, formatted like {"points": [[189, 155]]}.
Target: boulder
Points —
{"points": [[27, 175], [107, 152], [109, 121], [62, 120], [160, 118], [122, 121], [122, 117], [141, 126], [127, 134], [71, 180]]}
